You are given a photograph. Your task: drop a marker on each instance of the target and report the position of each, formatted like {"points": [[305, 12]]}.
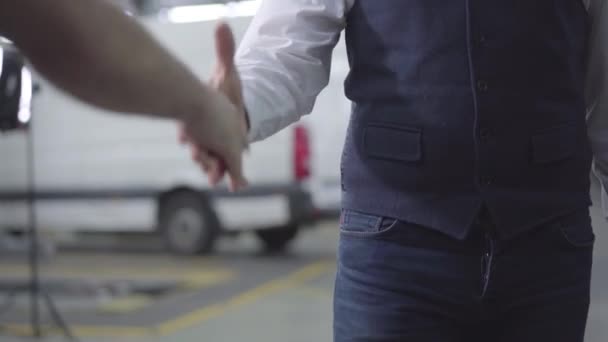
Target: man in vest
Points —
{"points": [[466, 164]]}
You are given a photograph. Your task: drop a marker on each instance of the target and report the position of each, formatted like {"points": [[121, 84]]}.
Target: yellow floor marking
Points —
{"points": [[307, 273], [188, 279], [206, 279], [125, 304], [110, 273], [293, 280], [21, 330], [315, 291]]}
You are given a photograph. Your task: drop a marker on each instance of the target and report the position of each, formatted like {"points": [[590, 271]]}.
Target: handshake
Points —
{"points": [[64, 48], [217, 137]]}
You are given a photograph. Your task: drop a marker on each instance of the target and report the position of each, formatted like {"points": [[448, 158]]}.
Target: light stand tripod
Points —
{"points": [[36, 291], [16, 90]]}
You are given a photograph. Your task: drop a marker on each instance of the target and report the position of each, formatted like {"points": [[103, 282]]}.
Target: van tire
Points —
{"points": [[188, 224], [277, 239]]}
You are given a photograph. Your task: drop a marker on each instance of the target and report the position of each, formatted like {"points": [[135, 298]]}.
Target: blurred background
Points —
{"points": [[136, 246]]}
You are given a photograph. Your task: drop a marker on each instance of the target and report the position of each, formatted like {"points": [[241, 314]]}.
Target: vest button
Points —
{"points": [[482, 85], [487, 181], [482, 40]]}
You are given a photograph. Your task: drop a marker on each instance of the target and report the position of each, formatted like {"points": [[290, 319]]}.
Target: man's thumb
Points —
{"points": [[224, 46]]}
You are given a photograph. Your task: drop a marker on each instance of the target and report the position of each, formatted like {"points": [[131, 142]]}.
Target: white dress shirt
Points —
{"points": [[285, 58]]}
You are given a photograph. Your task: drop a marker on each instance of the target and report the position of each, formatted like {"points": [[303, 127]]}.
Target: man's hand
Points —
{"points": [[217, 138], [225, 79]]}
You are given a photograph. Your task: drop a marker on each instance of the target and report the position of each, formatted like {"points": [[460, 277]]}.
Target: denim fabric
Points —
{"points": [[398, 281]]}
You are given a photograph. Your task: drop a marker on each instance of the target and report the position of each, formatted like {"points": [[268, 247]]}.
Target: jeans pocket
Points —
{"points": [[362, 225]]}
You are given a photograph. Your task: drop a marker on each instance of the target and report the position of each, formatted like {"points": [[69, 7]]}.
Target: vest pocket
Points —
{"points": [[576, 229], [554, 144], [392, 142]]}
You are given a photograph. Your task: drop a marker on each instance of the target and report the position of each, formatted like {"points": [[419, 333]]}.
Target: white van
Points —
{"points": [[96, 172]]}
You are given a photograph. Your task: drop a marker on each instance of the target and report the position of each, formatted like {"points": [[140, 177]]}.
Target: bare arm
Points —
{"points": [[95, 52], [92, 50]]}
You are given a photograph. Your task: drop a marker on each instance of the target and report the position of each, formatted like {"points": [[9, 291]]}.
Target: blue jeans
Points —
{"points": [[400, 282]]}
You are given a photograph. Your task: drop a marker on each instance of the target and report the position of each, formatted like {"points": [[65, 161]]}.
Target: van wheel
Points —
{"points": [[277, 239], [188, 225]]}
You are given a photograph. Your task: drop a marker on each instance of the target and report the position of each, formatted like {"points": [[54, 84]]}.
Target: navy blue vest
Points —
{"points": [[459, 104]]}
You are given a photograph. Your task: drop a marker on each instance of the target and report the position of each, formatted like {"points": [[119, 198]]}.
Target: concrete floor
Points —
{"points": [[236, 295]]}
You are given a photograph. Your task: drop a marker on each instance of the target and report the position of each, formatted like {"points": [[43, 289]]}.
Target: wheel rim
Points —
{"points": [[186, 229]]}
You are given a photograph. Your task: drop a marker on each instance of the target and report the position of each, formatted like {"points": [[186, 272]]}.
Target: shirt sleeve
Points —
{"points": [[284, 60]]}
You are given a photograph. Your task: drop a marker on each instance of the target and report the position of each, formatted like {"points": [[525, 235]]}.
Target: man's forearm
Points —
{"points": [[97, 53]]}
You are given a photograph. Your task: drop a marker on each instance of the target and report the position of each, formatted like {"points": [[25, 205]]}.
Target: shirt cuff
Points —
{"points": [[254, 111]]}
